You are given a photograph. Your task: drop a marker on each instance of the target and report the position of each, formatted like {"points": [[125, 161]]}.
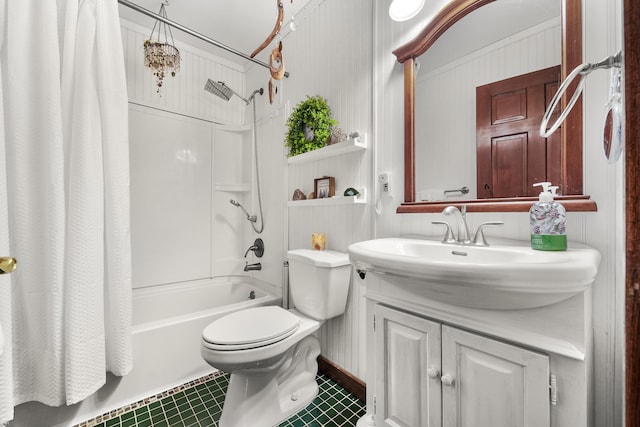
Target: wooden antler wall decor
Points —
{"points": [[276, 29]]}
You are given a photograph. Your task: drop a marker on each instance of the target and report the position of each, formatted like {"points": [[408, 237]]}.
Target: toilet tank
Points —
{"points": [[319, 282]]}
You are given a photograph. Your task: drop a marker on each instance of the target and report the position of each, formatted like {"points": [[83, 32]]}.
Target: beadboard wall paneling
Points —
{"points": [[329, 54], [185, 92], [605, 230]]}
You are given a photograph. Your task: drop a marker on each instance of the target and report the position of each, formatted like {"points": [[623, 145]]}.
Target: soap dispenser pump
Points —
{"points": [[548, 221]]}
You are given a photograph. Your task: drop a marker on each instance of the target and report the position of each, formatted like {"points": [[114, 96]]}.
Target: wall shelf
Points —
{"points": [[331, 201], [349, 146], [234, 128]]}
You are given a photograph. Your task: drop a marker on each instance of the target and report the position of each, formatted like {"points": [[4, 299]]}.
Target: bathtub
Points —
{"points": [[167, 327]]}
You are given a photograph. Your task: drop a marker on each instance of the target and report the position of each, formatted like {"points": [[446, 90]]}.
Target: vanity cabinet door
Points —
{"points": [[408, 365], [490, 383]]}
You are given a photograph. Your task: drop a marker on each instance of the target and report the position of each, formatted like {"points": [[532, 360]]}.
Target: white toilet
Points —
{"points": [[270, 352]]}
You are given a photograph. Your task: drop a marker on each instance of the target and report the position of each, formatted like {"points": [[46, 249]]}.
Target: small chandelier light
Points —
{"points": [[402, 10], [161, 56]]}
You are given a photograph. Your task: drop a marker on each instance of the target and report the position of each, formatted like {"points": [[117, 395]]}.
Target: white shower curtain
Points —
{"points": [[64, 201]]}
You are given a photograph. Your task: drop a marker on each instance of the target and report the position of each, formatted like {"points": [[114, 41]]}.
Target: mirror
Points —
{"points": [[461, 154]]}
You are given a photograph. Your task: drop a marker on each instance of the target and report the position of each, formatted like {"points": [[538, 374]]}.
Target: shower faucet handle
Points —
{"points": [[257, 248]]}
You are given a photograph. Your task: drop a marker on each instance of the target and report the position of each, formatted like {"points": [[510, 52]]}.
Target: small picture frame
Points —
{"points": [[324, 187]]}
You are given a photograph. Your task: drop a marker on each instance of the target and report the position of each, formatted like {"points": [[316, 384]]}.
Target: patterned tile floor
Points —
{"points": [[201, 405]]}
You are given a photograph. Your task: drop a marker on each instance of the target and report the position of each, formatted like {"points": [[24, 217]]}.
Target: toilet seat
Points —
{"points": [[250, 328]]}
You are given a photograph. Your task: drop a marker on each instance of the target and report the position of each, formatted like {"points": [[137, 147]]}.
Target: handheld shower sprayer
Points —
{"points": [[251, 218], [221, 90]]}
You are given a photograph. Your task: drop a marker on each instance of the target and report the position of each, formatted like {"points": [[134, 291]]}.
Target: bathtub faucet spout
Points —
{"points": [[252, 267]]}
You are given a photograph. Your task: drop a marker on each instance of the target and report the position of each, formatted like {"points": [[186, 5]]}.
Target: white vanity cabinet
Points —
{"points": [[430, 374], [470, 336]]}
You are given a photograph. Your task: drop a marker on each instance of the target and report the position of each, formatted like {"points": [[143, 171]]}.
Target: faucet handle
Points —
{"points": [[257, 248], [480, 232], [448, 235]]}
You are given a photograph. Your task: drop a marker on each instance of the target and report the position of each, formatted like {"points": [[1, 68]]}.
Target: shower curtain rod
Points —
{"points": [[195, 34]]}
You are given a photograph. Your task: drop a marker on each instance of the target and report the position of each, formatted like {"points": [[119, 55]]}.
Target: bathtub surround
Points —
{"points": [[66, 146]]}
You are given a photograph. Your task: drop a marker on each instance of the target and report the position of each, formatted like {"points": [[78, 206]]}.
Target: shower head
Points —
{"points": [[250, 218], [225, 92], [219, 89]]}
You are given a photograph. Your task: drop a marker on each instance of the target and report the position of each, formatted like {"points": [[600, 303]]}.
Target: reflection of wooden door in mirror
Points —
{"points": [[511, 154]]}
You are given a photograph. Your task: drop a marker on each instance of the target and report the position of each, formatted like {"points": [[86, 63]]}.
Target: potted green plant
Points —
{"points": [[310, 126]]}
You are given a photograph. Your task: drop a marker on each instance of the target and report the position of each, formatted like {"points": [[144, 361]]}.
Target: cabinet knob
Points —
{"points": [[447, 380], [433, 373]]}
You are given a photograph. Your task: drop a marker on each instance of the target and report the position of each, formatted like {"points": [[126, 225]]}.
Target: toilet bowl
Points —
{"points": [[271, 352]]}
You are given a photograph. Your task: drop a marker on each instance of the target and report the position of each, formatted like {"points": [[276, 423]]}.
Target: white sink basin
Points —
{"points": [[506, 275]]}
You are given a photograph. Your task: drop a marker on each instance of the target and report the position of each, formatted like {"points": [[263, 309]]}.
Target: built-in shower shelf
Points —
{"points": [[331, 201], [349, 146], [233, 188], [234, 128]]}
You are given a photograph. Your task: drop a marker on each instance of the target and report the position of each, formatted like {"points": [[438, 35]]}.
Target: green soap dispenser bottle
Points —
{"points": [[548, 221]]}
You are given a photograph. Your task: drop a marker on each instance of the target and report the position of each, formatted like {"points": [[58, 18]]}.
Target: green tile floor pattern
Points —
{"points": [[201, 406]]}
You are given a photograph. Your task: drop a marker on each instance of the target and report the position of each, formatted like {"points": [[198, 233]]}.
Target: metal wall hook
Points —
{"points": [[608, 62]]}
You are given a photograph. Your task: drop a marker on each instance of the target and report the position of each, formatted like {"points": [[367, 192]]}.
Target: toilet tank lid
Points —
{"points": [[325, 259]]}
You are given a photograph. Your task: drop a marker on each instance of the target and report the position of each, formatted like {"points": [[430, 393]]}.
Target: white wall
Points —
{"points": [[184, 93], [329, 54]]}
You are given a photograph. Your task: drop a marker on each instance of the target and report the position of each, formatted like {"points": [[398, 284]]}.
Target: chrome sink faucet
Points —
{"points": [[464, 237], [461, 217]]}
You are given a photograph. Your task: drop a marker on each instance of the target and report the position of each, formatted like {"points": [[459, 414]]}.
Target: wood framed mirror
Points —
{"points": [[571, 132]]}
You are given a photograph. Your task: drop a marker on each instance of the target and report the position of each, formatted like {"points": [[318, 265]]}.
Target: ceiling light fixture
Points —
{"points": [[402, 10]]}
